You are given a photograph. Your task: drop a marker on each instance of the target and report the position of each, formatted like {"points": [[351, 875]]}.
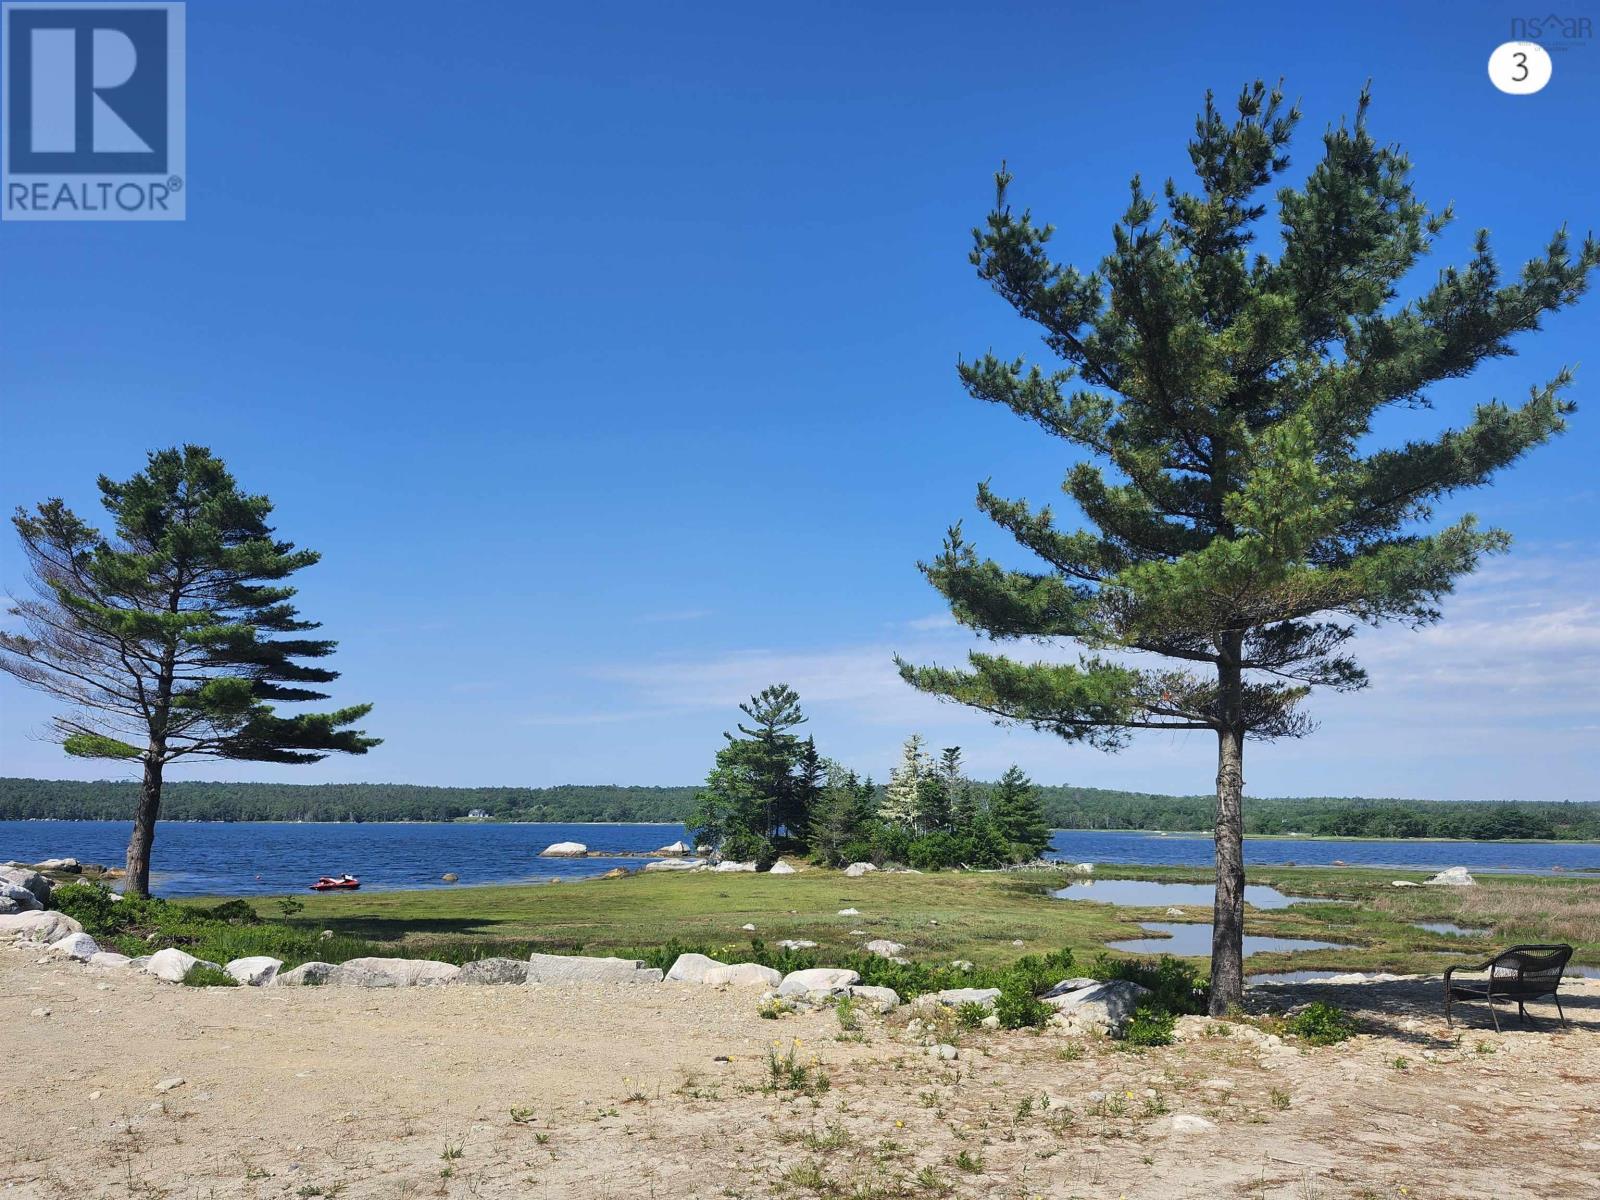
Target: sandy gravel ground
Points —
{"points": [[665, 1091]]}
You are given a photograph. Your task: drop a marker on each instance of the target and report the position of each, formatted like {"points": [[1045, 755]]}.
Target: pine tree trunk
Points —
{"points": [[144, 828], [1227, 917]]}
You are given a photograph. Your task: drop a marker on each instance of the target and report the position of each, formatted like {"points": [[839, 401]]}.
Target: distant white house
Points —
{"points": [[478, 814]]}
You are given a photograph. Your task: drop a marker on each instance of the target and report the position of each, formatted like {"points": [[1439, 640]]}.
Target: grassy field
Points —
{"points": [[951, 915]]}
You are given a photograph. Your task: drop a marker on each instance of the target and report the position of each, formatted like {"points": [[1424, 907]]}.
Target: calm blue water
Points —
{"points": [[197, 858]]}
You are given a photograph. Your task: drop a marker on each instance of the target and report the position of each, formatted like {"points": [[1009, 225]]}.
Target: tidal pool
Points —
{"points": [[1145, 893], [1188, 939], [1449, 927]]}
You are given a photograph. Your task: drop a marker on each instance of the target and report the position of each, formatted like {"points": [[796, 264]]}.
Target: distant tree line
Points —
{"points": [[1064, 807]]}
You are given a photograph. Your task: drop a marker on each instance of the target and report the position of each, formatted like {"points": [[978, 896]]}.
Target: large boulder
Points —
{"points": [[108, 959], [742, 975], [19, 898], [797, 944], [883, 948], [172, 964], [1452, 877], [310, 974], [956, 997], [494, 970], [1081, 869], [881, 999], [857, 870], [67, 866], [9, 906], [400, 972], [1103, 1007], [570, 968], [676, 864], [781, 868], [258, 970], [79, 946], [676, 848], [692, 968], [564, 850], [43, 927], [736, 866], [818, 983], [27, 877]]}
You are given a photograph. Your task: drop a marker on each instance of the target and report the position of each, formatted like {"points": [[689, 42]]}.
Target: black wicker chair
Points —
{"points": [[1517, 975]]}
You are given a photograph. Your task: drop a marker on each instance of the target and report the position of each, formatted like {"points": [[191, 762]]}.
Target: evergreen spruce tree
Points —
{"points": [[838, 818], [963, 796], [1243, 523], [902, 798], [1017, 813], [763, 783], [173, 637]]}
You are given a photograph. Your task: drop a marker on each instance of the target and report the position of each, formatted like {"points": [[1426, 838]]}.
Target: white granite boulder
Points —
{"points": [[564, 850], [796, 944], [43, 927], [1452, 877], [883, 948], [858, 869], [742, 975], [726, 866], [818, 981], [676, 848], [956, 997], [1104, 1007], [258, 970], [401, 972], [692, 968], [880, 999], [781, 868], [27, 877], [676, 864], [571, 968], [308, 974], [19, 898], [79, 946], [172, 964], [107, 960], [494, 970], [68, 866]]}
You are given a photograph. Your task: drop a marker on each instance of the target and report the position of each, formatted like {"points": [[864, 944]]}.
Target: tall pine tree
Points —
{"points": [[1242, 523], [173, 637]]}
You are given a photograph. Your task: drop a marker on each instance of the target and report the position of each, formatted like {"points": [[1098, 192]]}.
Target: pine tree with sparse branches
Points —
{"points": [[174, 637], [1241, 522]]}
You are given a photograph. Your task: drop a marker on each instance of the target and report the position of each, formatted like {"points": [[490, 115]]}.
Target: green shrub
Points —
{"points": [[1150, 1025], [201, 975], [1176, 985], [1018, 1005], [1321, 1024], [971, 1014], [234, 912]]}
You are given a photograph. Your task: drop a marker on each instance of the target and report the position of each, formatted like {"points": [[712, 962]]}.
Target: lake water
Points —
{"points": [[214, 858], [1139, 893], [1184, 939]]}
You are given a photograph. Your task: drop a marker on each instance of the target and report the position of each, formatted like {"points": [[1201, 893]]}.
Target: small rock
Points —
{"points": [[166, 1085], [40, 1012], [781, 868], [1185, 1123], [1404, 883], [747, 927], [450, 877], [1175, 912], [945, 1051], [1018, 942], [325, 935], [849, 912], [94, 1095], [882, 999], [883, 948], [1218, 1085], [796, 944]]}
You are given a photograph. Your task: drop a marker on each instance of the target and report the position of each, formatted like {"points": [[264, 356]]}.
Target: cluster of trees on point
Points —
{"points": [[771, 792]]}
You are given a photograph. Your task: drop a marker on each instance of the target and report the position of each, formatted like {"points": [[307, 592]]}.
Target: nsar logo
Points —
{"points": [[92, 112]]}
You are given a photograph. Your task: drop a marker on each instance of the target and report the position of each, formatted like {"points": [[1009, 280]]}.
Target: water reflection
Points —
{"points": [[1449, 927], [1186, 939], [1143, 892]]}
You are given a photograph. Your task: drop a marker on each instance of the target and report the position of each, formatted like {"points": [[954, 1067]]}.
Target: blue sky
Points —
{"points": [[608, 357]]}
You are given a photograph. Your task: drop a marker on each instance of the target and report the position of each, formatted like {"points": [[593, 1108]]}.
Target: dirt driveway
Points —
{"points": [[595, 1092]]}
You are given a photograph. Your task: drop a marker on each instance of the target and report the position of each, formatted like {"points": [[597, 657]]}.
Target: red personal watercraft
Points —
{"points": [[345, 883]]}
